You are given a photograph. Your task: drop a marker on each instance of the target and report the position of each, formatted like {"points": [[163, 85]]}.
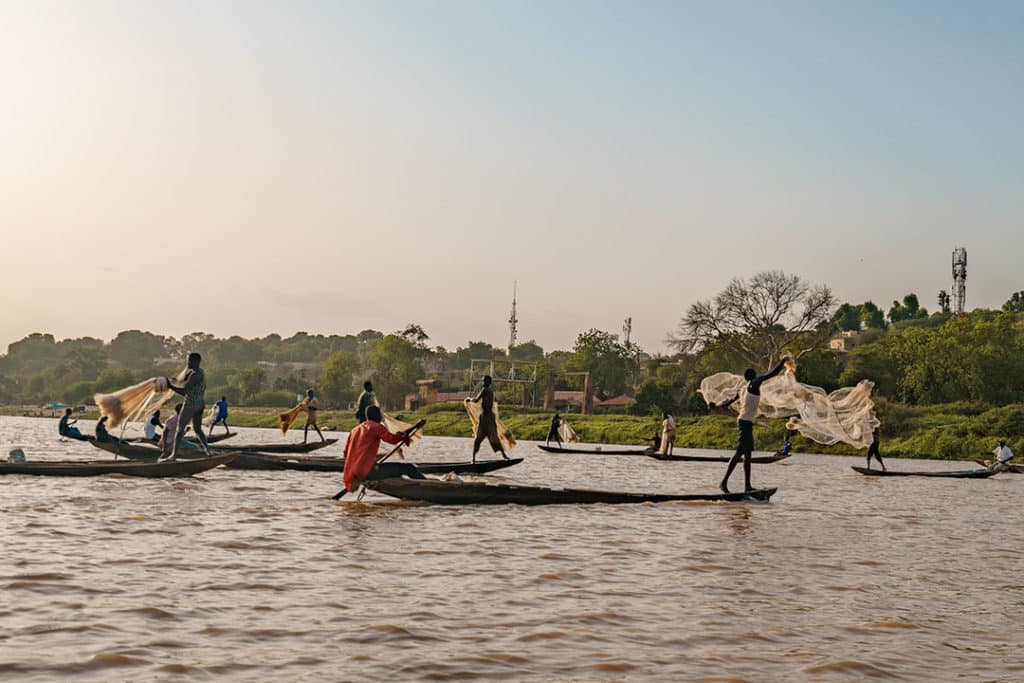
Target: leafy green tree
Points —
{"points": [[526, 351], [89, 362], [396, 367], [137, 349], [848, 318], [336, 378], [114, 379], [250, 381], [1015, 304], [872, 316], [910, 309], [943, 301], [607, 359]]}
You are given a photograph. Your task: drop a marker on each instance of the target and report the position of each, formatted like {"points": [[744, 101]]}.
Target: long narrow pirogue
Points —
{"points": [[277, 447], [139, 451], [129, 468], [479, 493], [761, 459], [957, 474]]}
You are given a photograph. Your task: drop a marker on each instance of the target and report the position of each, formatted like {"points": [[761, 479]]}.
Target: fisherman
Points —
{"points": [[151, 426], [222, 415], [361, 452], [194, 391], [1003, 454], [556, 422], [102, 435], [787, 445], [873, 449], [311, 408], [745, 423], [668, 434], [170, 429], [366, 399], [487, 428], [65, 428]]}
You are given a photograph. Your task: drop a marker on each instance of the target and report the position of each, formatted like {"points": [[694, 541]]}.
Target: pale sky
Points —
{"points": [[246, 168]]}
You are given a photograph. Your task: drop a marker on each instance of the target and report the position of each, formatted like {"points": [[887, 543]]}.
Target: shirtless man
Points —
{"points": [[745, 423]]}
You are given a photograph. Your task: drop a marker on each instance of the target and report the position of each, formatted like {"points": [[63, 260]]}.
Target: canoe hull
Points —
{"points": [[260, 461], [277, 447], [477, 493], [128, 468], [595, 451], [959, 474], [759, 459]]}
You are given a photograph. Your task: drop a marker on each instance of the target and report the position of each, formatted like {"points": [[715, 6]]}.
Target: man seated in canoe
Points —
{"points": [[102, 435], [66, 429], [361, 452], [152, 424], [1003, 456], [166, 442], [221, 418]]}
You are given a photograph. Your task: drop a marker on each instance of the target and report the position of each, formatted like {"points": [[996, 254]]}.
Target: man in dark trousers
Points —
{"points": [[488, 426], [194, 405], [556, 422], [745, 423]]}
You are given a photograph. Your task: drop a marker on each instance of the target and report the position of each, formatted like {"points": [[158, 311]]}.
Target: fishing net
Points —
{"points": [[846, 415], [131, 403], [567, 433], [475, 409], [286, 419]]}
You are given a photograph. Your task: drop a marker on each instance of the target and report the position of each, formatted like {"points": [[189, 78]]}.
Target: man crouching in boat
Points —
{"points": [[361, 452]]}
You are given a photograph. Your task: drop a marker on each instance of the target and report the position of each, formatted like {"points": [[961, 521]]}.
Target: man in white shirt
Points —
{"points": [[668, 434], [1003, 453], [151, 425]]}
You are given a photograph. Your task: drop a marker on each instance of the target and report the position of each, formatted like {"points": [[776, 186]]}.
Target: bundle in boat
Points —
{"points": [[130, 403], [846, 415]]}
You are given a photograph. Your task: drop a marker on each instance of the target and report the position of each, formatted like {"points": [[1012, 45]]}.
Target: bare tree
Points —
{"points": [[759, 318]]}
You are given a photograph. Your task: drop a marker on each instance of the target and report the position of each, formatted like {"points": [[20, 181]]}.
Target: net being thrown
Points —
{"points": [[475, 410], [131, 403], [846, 415]]}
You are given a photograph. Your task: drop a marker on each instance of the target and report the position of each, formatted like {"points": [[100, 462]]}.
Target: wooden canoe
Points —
{"points": [[271, 462], [760, 459], [214, 438], [596, 451], [130, 468], [277, 447], [957, 474], [479, 493]]}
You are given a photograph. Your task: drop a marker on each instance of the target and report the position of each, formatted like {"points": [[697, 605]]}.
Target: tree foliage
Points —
{"points": [[760, 317], [336, 378], [1015, 304]]}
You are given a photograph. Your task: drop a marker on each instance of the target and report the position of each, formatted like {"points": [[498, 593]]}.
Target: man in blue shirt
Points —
{"points": [[222, 415]]}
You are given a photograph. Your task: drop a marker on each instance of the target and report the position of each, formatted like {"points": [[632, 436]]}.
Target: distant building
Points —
{"points": [[845, 342]]}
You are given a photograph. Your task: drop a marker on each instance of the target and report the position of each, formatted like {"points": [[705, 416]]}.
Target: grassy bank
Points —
{"points": [[952, 431]]}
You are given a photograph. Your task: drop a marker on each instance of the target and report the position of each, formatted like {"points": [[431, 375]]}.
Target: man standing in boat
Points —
{"points": [[556, 422], [311, 408], [222, 415], [366, 399], [361, 452], [873, 450], [745, 423], [192, 409], [668, 434], [487, 428]]}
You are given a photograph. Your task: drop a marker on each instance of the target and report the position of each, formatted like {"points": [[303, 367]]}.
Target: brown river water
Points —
{"points": [[257, 576]]}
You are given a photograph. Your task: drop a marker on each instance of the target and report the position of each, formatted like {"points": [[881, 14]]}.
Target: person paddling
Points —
{"points": [[366, 399], [873, 450], [488, 426], [556, 422], [745, 423], [194, 391], [361, 449], [1003, 454], [311, 408], [65, 427]]}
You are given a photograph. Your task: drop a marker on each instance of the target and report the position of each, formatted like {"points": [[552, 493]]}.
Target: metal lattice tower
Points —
{"points": [[959, 280], [627, 329], [513, 321]]}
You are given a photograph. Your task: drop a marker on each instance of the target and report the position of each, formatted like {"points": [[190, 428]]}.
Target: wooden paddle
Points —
{"points": [[408, 433]]}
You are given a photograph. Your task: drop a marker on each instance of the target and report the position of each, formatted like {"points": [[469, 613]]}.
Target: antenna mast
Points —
{"points": [[959, 280], [627, 329], [513, 321]]}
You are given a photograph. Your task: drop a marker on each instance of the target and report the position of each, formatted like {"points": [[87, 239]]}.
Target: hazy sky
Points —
{"points": [[245, 168]]}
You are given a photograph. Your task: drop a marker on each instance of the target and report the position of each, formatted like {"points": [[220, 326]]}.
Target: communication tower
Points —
{"points": [[959, 280], [627, 329], [513, 321]]}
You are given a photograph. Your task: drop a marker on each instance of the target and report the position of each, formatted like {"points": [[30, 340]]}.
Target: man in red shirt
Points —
{"points": [[361, 451]]}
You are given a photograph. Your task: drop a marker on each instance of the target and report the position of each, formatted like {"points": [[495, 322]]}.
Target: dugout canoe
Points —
{"points": [[481, 493], [214, 438], [271, 462], [129, 468], [596, 451], [760, 459], [958, 474], [277, 447]]}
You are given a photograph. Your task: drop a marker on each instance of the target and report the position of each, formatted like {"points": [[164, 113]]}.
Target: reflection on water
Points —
{"points": [[256, 576]]}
